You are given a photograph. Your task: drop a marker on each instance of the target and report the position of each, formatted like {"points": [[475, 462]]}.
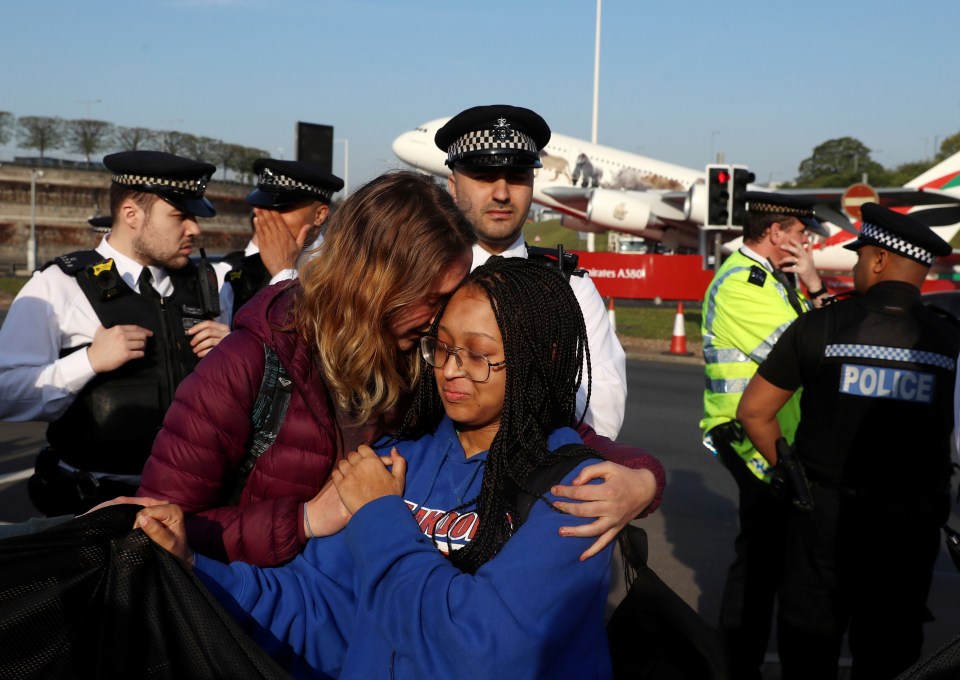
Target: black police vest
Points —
{"points": [[247, 278], [877, 406], [111, 425]]}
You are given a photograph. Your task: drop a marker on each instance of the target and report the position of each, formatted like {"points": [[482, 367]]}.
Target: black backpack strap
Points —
{"points": [[269, 411], [543, 478]]}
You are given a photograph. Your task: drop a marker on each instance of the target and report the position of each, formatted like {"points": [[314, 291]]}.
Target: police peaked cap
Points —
{"points": [[499, 135], [799, 207], [101, 224], [898, 233], [177, 180], [288, 184]]}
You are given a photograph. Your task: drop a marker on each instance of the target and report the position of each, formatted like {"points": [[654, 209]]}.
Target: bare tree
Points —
{"points": [[243, 159], [6, 126], [200, 148], [88, 137], [40, 133], [172, 141], [134, 138], [222, 154]]}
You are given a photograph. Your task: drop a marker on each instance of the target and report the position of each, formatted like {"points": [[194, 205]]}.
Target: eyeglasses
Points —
{"points": [[474, 366]]}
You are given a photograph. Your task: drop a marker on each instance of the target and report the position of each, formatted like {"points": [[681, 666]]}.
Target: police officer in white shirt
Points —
{"points": [[492, 152], [97, 341]]}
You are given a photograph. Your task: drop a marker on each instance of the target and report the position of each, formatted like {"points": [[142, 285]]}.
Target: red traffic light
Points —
{"points": [[722, 177]]}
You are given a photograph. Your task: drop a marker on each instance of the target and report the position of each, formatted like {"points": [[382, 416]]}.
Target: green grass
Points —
{"points": [[552, 233], [657, 322], [12, 284]]}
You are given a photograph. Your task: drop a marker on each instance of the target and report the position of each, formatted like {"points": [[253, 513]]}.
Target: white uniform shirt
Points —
{"points": [[608, 398], [50, 314]]}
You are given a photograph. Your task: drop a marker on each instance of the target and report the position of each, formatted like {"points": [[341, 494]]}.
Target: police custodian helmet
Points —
{"points": [[177, 180], [282, 185], [498, 135]]}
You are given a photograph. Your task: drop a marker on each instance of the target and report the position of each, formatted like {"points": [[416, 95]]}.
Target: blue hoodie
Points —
{"points": [[379, 600]]}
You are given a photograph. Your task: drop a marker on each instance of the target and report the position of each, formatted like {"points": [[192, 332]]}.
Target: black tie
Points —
{"points": [[145, 284], [781, 277]]}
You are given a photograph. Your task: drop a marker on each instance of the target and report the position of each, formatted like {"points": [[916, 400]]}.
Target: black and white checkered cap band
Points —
{"points": [[891, 241], [487, 140], [270, 181], [759, 207], [188, 186]]}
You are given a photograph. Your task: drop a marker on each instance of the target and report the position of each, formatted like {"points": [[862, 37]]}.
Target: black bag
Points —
{"points": [[943, 664], [653, 633], [92, 598], [952, 541]]}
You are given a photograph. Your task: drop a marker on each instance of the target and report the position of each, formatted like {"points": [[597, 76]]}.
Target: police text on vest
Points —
{"points": [[887, 383]]}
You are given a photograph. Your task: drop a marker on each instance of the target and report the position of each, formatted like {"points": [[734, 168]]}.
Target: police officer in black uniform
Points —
{"points": [[877, 372], [291, 203], [98, 340]]}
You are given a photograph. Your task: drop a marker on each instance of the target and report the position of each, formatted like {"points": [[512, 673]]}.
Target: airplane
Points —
{"points": [[598, 188], [595, 187]]}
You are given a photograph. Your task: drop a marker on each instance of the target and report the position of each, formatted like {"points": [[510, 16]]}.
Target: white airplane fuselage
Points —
{"points": [[599, 188]]}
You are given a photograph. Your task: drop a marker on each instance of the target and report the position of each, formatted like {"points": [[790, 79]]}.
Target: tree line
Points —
{"points": [[844, 161], [90, 138]]}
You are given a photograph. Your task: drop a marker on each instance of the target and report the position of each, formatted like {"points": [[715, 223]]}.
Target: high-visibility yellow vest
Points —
{"points": [[745, 311]]}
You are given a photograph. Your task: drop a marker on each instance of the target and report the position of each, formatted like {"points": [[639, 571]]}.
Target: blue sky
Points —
{"points": [[762, 82]]}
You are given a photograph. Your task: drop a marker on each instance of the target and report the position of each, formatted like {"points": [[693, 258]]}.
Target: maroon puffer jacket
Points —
{"points": [[204, 438]]}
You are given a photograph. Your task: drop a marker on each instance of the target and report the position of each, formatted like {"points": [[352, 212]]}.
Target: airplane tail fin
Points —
{"points": [[944, 176]]}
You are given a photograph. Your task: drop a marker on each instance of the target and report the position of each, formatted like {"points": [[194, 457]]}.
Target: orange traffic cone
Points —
{"points": [[612, 315], [678, 343]]}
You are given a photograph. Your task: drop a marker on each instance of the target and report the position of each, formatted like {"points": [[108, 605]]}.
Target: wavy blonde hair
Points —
{"points": [[385, 249]]}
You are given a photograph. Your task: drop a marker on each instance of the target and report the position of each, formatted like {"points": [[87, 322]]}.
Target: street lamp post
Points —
{"points": [[346, 166], [32, 242], [591, 237]]}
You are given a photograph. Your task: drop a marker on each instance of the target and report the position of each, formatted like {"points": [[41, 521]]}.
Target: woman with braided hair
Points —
{"points": [[430, 577]]}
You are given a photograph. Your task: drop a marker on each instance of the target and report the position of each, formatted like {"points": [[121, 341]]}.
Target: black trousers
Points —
{"points": [[746, 611], [851, 565]]}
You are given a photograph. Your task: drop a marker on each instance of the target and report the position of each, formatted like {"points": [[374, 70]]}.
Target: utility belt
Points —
{"points": [[726, 434], [58, 488], [727, 440]]}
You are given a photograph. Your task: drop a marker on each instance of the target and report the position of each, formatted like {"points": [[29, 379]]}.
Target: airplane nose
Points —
{"points": [[404, 148], [416, 148]]}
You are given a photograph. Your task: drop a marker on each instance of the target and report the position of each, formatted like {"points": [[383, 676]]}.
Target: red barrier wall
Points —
{"points": [[645, 277]]}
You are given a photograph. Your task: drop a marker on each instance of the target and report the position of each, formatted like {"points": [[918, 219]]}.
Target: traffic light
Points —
{"points": [[719, 180], [741, 178]]}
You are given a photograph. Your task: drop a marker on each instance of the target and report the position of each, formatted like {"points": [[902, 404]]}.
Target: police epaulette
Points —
{"points": [[551, 257], [758, 276], [943, 313], [71, 263]]}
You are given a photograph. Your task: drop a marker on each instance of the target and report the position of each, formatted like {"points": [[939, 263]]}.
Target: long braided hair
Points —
{"points": [[546, 353]]}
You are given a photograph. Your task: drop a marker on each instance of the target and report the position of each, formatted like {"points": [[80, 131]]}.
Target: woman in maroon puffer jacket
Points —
{"points": [[345, 335]]}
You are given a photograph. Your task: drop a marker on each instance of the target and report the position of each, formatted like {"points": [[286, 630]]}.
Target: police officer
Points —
{"points": [[290, 204], [750, 302], [877, 373], [97, 341], [492, 152]]}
